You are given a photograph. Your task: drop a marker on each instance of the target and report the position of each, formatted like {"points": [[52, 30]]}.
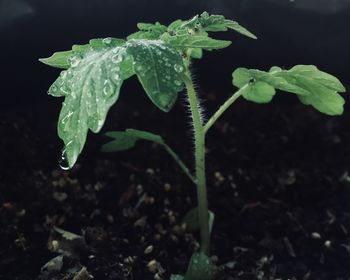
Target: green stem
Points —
{"points": [[180, 163], [200, 164], [223, 108]]}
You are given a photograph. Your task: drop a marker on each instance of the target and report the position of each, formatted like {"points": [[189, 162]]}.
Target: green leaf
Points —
{"points": [[159, 67], [201, 267], [62, 59], [312, 86], [148, 31], [195, 41], [196, 53], [58, 59], [217, 23], [127, 139], [191, 220], [259, 92], [90, 86]]}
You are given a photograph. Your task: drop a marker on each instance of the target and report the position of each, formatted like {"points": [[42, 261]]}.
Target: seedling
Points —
{"points": [[160, 56]]}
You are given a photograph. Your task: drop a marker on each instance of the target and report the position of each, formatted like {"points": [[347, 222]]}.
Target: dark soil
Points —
{"points": [[278, 178]]}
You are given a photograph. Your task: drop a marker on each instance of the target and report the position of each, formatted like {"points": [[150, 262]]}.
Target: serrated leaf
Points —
{"points": [[238, 28], [201, 267], [195, 41], [191, 219], [159, 67], [175, 25], [58, 59], [90, 87], [156, 27], [312, 86], [127, 139], [218, 23], [62, 59], [148, 31]]}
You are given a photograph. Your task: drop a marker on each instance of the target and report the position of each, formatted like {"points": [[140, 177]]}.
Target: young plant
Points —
{"points": [[160, 56]]}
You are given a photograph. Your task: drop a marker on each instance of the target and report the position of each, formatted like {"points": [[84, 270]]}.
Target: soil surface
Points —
{"points": [[278, 179]]}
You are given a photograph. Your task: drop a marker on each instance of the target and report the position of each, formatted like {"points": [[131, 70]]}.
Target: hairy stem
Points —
{"points": [[199, 164], [180, 163], [223, 108]]}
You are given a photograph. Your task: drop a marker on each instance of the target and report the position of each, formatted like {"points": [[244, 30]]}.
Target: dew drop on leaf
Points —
{"points": [[178, 68], [74, 61], [178, 82], [107, 41], [65, 119], [117, 58], [63, 162]]}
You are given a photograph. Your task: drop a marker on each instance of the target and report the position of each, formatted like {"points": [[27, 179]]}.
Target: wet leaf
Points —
{"points": [[217, 23], [90, 86], [195, 41], [159, 67], [312, 86], [62, 59], [148, 31]]}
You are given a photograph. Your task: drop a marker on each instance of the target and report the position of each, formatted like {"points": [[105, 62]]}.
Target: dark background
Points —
{"points": [[289, 32]]}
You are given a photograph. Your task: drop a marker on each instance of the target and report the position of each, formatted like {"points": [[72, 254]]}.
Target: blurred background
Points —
{"points": [[289, 31]]}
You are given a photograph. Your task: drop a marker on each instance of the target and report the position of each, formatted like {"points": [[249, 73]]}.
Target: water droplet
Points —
{"points": [[107, 89], [107, 41], [100, 123], [117, 58], [65, 119], [74, 61], [178, 82], [63, 162], [116, 77], [64, 89], [63, 74], [178, 68]]}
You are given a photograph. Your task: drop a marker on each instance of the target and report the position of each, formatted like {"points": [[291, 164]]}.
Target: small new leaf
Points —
{"points": [[58, 60], [217, 23], [312, 86], [124, 140]]}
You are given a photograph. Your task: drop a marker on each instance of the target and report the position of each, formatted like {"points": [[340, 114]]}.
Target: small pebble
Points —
{"points": [[148, 250], [110, 219], [150, 171], [59, 196], [315, 235], [167, 187], [152, 266], [141, 222]]}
